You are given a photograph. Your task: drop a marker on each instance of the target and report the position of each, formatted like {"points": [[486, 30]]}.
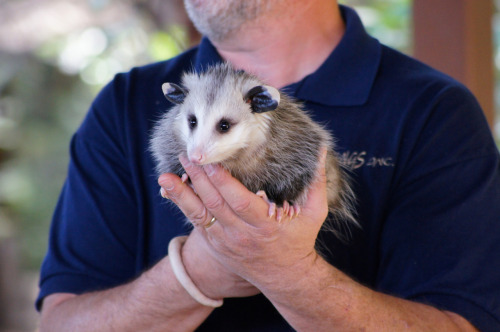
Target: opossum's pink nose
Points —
{"points": [[197, 157]]}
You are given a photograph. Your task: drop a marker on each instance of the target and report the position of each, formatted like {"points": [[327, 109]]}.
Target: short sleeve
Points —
{"points": [[441, 240]]}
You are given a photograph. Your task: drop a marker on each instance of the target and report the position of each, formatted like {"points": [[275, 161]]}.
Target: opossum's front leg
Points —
{"points": [[286, 210]]}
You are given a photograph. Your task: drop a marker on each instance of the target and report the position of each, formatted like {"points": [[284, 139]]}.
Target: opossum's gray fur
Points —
{"points": [[284, 166]]}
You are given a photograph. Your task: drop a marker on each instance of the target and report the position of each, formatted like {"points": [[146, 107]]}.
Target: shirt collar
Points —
{"points": [[344, 79], [206, 56]]}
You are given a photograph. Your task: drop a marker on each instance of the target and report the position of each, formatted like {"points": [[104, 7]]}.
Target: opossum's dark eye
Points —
{"points": [[223, 126], [192, 122]]}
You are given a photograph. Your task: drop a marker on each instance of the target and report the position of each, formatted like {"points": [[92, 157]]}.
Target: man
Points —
{"points": [[425, 171]]}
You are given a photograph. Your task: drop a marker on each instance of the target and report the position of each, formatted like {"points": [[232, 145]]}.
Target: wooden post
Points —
{"points": [[456, 37]]}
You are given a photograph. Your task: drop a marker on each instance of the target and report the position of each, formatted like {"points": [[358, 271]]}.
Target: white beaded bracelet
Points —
{"points": [[174, 254]]}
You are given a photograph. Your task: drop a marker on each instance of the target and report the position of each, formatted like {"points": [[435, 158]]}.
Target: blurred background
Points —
{"points": [[55, 55]]}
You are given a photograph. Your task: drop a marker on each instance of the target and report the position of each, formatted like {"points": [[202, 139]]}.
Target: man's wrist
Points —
{"points": [[198, 272], [174, 251], [310, 274]]}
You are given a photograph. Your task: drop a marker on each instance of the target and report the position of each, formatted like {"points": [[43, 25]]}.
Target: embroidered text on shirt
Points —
{"points": [[357, 159]]}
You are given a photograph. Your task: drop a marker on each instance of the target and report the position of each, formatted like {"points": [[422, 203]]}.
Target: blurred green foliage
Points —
{"points": [[387, 20], [44, 95], [47, 106]]}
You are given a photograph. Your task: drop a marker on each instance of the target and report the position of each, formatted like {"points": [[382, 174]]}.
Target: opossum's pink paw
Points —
{"points": [[286, 211], [296, 209], [262, 194], [272, 209], [286, 208], [184, 178], [272, 206], [290, 210], [279, 214]]}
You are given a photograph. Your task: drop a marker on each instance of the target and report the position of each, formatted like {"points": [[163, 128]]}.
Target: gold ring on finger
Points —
{"points": [[210, 223]]}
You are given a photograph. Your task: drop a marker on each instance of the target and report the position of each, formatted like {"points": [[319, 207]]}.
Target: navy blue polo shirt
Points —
{"points": [[424, 166]]}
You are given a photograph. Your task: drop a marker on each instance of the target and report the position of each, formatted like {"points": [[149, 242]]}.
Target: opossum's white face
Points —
{"points": [[222, 114], [214, 132]]}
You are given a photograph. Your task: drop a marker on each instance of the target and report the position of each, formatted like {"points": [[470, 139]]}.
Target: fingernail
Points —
{"points": [[167, 184], [163, 193]]}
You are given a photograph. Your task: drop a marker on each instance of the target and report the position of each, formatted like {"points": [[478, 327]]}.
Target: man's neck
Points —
{"points": [[286, 46]]}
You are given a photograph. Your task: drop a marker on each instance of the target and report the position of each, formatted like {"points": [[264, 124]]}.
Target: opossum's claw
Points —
{"points": [[279, 214], [296, 208], [286, 211], [286, 208], [272, 206], [185, 179], [272, 209], [291, 210]]}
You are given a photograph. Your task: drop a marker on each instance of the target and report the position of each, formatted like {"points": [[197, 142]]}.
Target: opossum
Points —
{"points": [[264, 138]]}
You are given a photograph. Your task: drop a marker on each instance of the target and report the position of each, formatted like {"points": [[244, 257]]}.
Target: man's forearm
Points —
{"points": [[322, 298], [153, 302]]}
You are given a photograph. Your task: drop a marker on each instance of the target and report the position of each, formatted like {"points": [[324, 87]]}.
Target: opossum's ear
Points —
{"points": [[174, 93], [263, 98]]}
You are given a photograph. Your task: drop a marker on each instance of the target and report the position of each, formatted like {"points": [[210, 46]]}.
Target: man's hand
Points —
{"points": [[209, 275], [245, 239]]}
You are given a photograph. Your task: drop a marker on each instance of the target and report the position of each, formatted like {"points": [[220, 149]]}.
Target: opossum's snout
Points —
{"points": [[203, 155], [209, 152], [197, 156]]}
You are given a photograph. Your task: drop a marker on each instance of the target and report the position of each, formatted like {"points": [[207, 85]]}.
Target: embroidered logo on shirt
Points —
{"points": [[355, 159]]}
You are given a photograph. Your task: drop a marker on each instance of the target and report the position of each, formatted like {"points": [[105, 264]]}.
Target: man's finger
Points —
{"points": [[185, 198], [247, 205], [208, 193]]}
